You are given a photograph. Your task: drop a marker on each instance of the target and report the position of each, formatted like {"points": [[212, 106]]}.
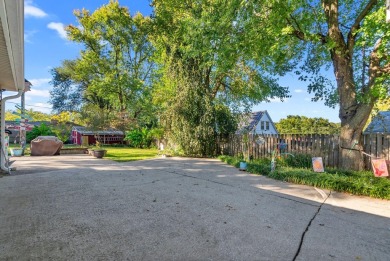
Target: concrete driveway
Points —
{"points": [[81, 208]]}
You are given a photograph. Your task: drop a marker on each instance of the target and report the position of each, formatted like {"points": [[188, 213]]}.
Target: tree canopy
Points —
{"points": [[295, 124], [29, 114], [204, 71], [113, 74]]}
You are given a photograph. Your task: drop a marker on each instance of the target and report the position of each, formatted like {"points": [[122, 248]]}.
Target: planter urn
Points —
{"points": [[99, 153]]}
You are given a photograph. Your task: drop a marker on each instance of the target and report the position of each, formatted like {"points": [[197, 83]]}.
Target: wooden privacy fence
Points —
{"points": [[325, 146]]}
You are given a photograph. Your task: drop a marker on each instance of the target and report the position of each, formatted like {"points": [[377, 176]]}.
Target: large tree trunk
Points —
{"points": [[353, 116], [351, 140]]}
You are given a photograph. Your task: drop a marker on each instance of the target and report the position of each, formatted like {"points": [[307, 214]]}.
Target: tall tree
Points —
{"points": [[114, 69], [350, 36], [204, 72]]}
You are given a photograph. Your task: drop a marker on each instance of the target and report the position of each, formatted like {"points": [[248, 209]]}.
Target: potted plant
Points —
{"points": [[244, 156], [16, 152], [98, 152], [243, 164]]}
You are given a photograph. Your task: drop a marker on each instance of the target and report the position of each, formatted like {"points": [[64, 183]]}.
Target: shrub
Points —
{"points": [[63, 132], [42, 130], [143, 138], [296, 160], [136, 138]]}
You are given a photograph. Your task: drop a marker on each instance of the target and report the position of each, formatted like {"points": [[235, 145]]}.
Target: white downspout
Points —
{"points": [[2, 129]]}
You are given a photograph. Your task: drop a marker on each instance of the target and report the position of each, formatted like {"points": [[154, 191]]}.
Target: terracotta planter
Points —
{"points": [[99, 153]]}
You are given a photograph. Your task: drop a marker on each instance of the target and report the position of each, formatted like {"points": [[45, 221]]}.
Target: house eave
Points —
{"points": [[12, 45]]}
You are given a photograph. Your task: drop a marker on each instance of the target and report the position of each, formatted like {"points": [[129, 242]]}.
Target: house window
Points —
{"points": [[264, 125]]}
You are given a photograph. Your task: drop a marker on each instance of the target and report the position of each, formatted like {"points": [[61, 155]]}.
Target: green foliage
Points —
{"points": [[262, 166], [136, 138], [37, 115], [206, 75], [295, 161], [30, 114], [10, 116], [68, 88], [63, 131], [304, 125], [114, 71], [143, 138], [41, 130], [354, 182]]}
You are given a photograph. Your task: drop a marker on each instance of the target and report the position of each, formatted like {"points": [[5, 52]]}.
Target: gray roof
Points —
{"points": [[250, 121], [379, 124]]}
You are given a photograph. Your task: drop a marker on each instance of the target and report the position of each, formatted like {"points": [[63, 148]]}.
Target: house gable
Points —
{"points": [[258, 123], [265, 125]]}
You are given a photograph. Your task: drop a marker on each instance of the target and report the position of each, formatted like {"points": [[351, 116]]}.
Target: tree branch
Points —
{"points": [[374, 69], [363, 14], [301, 35], [356, 25]]}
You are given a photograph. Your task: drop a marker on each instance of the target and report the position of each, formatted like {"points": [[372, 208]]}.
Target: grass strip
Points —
{"points": [[362, 183]]}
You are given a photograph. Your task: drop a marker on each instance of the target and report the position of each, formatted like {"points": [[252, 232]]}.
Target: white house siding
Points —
{"points": [[265, 119]]}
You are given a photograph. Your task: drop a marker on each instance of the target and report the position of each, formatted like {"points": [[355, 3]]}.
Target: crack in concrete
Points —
{"points": [[233, 186], [308, 226]]}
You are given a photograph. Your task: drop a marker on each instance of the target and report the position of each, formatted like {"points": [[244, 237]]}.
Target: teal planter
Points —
{"points": [[243, 165], [16, 152]]}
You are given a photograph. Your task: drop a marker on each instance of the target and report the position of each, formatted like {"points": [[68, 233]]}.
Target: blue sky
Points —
{"points": [[46, 46]]}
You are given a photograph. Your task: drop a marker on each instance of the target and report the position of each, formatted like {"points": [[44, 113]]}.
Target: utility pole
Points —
{"points": [[22, 129]]}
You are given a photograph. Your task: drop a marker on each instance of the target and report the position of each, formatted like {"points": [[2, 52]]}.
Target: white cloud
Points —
{"points": [[40, 106], [39, 93], [39, 82], [298, 90], [59, 27], [28, 35], [33, 11]]}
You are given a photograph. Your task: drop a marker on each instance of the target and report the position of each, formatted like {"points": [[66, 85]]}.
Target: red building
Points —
{"points": [[83, 136]]}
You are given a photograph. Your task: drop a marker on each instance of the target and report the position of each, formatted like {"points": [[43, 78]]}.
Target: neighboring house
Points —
{"points": [[83, 136], [14, 127], [257, 123], [379, 124]]}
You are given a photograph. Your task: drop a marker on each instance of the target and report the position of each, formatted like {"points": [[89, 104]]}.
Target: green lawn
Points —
{"points": [[123, 154]]}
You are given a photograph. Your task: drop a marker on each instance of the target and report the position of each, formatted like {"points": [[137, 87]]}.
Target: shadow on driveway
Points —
{"points": [[79, 207]]}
